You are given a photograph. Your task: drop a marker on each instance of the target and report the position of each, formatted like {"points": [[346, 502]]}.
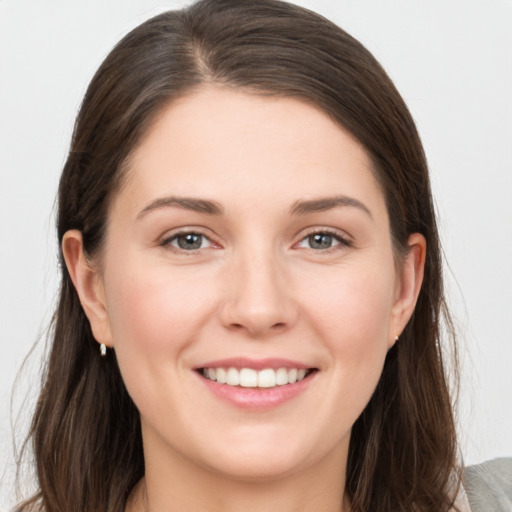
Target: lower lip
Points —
{"points": [[257, 398]]}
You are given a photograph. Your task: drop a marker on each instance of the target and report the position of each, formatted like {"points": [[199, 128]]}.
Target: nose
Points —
{"points": [[258, 298]]}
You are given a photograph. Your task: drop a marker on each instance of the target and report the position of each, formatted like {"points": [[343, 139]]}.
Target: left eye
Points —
{"points": [[188, 241], [320, 241]]}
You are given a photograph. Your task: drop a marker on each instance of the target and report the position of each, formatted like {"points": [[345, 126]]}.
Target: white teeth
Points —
{"points": [[233, 377], [249, 378], [267, 378], [221, 375], [282, 376]]}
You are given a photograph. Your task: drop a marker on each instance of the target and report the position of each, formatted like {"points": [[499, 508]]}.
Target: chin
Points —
{"points": [[257, 469], [263, 458]]}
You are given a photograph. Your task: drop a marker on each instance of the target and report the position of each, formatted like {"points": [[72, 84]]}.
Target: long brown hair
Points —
{"points": [[85, 432]]}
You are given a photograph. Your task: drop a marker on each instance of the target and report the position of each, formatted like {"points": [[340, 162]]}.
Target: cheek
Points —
{"points": [[352, 317], [141, 315], [154, 308], [154, 318], [353, 307]]}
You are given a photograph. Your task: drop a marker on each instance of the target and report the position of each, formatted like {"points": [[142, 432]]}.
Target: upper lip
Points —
{"points": [[255, 364]]}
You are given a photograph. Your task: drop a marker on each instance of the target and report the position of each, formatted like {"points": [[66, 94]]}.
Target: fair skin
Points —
{"points": [[288, 263]]}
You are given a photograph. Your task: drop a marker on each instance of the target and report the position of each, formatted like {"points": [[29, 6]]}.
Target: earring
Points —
{"points": [[103, 349], [396, 339]]}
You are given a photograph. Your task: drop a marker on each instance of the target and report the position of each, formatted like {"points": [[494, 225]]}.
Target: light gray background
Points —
{"points": [[452, 61]]}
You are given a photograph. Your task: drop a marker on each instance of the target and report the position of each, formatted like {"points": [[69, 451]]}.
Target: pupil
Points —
{"points": [[320, 241], [190, 241]]}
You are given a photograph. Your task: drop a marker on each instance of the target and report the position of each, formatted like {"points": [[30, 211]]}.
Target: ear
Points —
{"points": [[409, 286], [88, 284]]}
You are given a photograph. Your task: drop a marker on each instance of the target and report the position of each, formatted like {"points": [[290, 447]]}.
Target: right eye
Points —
{"points": [[189, 241], [321, 241], [324, 240]]}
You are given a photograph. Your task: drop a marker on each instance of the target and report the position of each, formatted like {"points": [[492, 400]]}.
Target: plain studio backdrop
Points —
{"points": [[452, 62]]}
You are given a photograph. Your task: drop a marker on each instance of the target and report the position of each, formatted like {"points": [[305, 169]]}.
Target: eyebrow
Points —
{"points": [[209, 207], [322, 204], [187, 203]]}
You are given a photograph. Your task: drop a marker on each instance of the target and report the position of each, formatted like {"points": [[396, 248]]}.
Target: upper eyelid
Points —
{"points": [[304, 233], [338, 233], [171, 235], [345, 241]]}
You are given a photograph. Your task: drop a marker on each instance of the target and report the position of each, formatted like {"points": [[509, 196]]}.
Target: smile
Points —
{"points": [[257, 384], [251, 378]]}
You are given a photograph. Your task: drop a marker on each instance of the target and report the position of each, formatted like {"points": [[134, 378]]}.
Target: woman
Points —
{"points": [[248, 239]]}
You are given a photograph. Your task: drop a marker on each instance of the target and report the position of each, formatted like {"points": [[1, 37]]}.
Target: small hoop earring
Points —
{"points": [[103, 349]]}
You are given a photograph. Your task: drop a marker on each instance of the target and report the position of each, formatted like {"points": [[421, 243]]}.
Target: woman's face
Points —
{"points": [[249, 243]]}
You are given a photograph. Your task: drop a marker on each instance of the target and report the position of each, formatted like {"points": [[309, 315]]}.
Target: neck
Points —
{"points": [[181, 486]]}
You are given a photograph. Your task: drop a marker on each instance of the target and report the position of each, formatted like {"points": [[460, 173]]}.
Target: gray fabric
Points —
{"points": [[488, 486]]}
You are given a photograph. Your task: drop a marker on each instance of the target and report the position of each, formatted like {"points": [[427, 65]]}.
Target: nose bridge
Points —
{"points": [[258, 300]]}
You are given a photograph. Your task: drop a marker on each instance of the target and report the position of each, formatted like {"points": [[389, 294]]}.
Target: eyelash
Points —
{"points": [[342, 240], [167, 241]]}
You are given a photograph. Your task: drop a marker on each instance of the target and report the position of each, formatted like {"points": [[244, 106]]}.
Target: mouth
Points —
{"points": [[256, 384], [265, 378]]}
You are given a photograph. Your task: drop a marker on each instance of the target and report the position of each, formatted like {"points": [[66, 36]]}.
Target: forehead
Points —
{"points": [[222, 143]]}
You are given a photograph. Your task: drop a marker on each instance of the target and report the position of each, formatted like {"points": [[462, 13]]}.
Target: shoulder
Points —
{"points": [[488, 486]]}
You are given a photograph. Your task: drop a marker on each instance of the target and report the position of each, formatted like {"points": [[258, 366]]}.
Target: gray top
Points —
{"points": [[488, 486]]}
